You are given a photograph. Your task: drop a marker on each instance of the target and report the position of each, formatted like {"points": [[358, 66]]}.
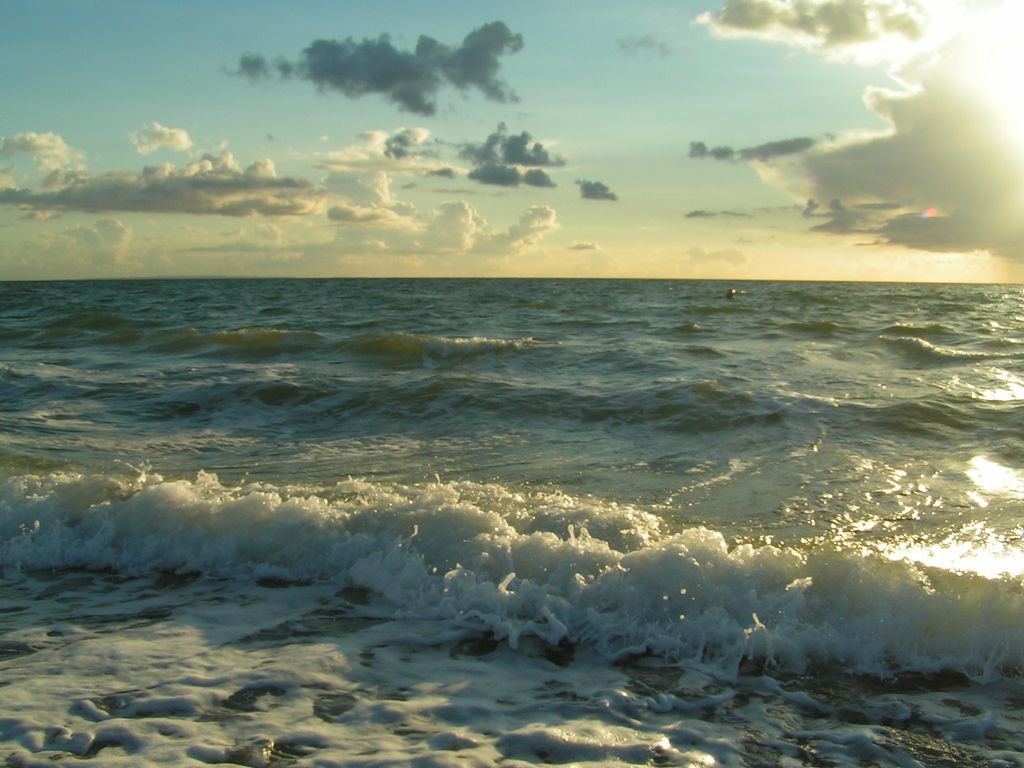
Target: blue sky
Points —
{"points": [[808, 139]]}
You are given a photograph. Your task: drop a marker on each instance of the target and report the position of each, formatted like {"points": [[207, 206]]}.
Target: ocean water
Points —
{"points": [[511, 522]]}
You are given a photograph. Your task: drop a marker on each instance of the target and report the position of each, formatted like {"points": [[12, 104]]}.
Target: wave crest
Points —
{"points": [[531, 564]]}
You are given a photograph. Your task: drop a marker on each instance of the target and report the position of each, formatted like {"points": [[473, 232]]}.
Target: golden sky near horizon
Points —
{"points": [[764, 139]]}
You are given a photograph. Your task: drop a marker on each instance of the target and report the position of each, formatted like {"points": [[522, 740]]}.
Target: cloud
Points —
{"points": [[595, 190], [510, 176], [651, 42], [701, 214], [156, 136], [402, 142], [946, 176], [362, 188], [408, 79], [361, 214], [445, 173], [48, 150], [584, 246], [81, 251], [518, 149], [535, 177], [106, 243], [40, 216], [506, 160], [497, 174], [699, 150], [213, 185], [401, 151], [762, 152], [863, 29], [452, 229]]}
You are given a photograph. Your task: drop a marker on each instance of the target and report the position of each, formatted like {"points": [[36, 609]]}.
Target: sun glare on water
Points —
{"points": [[977, 547]]}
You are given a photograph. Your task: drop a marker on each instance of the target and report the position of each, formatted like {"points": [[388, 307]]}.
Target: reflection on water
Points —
{"points": [[994, 479], [976, 548], [1009, 387]]}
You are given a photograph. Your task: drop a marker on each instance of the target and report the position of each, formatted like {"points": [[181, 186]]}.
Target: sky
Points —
{"points": [[728, 139]]}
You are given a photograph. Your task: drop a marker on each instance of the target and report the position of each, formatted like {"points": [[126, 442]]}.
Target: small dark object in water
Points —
{"points": [[730, 293]]}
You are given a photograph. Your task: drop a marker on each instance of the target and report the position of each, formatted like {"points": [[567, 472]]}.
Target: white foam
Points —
{"points": [[523, 565]]}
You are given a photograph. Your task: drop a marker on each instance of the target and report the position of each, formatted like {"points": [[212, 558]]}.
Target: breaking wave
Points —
{"points": [[531, 564]]}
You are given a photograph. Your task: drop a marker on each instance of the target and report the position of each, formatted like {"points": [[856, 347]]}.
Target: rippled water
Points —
{"points": [[668, 526]]}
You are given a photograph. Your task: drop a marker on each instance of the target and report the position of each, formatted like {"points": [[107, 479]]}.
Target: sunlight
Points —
{"points": [[994, 478], [995, 60], [975, 549], [1012, 389]]}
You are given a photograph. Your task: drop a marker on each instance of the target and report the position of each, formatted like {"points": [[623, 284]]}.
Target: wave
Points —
{"points": [[10, 334], [432, 350], [924, 332], [920, 352], [817, 328], [89, 321], [247, 343], [521, 564]]}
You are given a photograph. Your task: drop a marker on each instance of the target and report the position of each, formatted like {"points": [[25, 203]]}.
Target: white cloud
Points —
{"points": [[451, 229], [212, 185], [948, 173], [401, 151], [537, 222], [947, 176], [105, 243], [156, 136], [48, 150], [864, 30], [105, 248]]}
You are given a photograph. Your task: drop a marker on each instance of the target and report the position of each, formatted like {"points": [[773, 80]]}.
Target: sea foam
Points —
{"points": [[520, 564]]}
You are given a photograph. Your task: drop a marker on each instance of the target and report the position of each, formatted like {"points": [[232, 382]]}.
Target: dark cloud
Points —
{"points": [[701, 214], [651, 42], [214, 185], [409, 79], [777, 149], [584, 246], [595, 190], [510, 160], [518, 149], [444, 173], [762, 152], [699, 150], [885, 206], [535, 177], [252, 65], [497, 174], [400, 143], [837, 217], [510, 176]]}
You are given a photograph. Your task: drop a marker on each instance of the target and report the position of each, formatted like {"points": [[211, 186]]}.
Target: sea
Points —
{"points": [[511, 523]]}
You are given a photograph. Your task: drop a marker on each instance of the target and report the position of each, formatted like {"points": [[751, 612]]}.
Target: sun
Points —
{"points": [[994, 66]]}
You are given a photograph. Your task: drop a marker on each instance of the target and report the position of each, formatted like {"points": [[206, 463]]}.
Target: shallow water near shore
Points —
{"points": [[387, 522]]}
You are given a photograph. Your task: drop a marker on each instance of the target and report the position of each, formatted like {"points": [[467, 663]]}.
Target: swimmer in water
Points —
{"points": [[730, 293]]}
